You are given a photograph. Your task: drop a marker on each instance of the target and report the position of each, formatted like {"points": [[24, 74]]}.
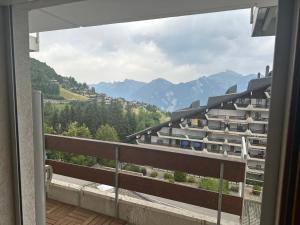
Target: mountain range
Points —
{"points": [[169, 96]]}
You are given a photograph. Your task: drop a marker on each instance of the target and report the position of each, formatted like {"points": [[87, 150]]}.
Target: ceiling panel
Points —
{"points": [[98, 12]]}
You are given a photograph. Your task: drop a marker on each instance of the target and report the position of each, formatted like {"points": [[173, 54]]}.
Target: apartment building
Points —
{"points": [[233, 124]]}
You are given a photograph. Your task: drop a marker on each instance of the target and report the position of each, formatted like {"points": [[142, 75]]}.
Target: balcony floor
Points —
{"points": [[60, 213]]}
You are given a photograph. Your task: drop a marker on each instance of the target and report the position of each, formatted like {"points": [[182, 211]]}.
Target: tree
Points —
{"points": [[48, 129], [74, 130], [107, 133]]}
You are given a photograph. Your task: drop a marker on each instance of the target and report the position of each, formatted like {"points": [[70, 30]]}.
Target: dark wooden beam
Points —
{"points": [[160, 157], [177, 192]]}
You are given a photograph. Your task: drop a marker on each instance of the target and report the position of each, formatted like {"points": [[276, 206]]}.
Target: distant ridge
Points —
{"points": [[169, 96]]}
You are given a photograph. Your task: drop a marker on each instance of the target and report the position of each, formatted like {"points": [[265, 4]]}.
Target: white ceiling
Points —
{"points": [[98, 12]]}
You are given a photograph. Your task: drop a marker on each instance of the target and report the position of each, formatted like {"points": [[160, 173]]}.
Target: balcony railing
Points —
{"points": [[252, 107], [169, 159]]}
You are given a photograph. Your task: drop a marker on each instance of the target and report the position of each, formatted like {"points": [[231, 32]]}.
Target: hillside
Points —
{"points": [[68, 95], [169, 96], [55, 86]]}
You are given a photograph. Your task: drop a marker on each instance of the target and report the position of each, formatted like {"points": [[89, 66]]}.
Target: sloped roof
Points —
{"points": [[260, 82], [219, 99], [185, 112], [232, 90]]}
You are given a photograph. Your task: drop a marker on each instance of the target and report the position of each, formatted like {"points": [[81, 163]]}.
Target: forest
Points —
{"points": [[108, 122]]}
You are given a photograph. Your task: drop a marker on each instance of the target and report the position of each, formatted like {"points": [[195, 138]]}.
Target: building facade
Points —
{"points": [[234, 124]]}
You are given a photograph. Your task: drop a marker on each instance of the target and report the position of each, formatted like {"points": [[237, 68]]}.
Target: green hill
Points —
{"points": [[55, 86], [68, 95]]}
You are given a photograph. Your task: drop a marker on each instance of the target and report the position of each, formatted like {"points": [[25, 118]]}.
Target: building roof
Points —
{"points": [[221, 98], [259, 82], [254, 85], [232, 89]]}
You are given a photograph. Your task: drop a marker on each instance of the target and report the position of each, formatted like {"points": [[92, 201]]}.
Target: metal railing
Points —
{"points": [[191, 162]]}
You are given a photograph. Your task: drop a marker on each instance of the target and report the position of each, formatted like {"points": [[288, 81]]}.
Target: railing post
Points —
{"points": [[242, 184], [117, 181], [220, 193]]}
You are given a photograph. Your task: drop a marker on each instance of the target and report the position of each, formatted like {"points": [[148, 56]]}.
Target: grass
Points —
{"points": [[68, 95]]}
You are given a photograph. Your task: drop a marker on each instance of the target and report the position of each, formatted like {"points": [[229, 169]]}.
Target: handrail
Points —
{"points": [[192, 162], [187, 161]]}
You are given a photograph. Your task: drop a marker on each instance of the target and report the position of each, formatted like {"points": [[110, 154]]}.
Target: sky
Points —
{"points": [[178, 49]]}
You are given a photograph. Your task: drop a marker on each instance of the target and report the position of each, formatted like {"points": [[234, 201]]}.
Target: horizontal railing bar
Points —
{"points": [[208, 199], [81, 172], [196, 164], [80, 146], [177, 192], [182, 160]]}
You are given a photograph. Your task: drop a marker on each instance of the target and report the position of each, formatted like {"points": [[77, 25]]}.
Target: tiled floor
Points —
{"points": [[63, 214]]}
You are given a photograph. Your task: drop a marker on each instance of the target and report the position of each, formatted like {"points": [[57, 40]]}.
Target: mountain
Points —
{"points": [[123, 89], [169, 96]]}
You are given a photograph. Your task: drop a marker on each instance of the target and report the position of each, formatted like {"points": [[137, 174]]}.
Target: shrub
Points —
{"points": [[256, 190], [132, 167], [191, 179], [212, 184], [168, 176], [234, 188], [179, 176], [153, 174], [107, 162]]}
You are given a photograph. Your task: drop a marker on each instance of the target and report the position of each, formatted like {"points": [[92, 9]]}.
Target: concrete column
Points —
{"points": [[24, 111], [7, 211]]}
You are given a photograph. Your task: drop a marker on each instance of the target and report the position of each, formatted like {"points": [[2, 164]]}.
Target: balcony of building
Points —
{"points": [[192, 127], [172, 136], [85, 202], [252, 107], [259, 143]]}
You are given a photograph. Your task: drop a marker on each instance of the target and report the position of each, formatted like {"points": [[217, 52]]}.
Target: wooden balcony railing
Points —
{"points": [[186, 161]]}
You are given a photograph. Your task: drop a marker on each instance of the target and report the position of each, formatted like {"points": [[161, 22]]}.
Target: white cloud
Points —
{"points": [[178, 49]]}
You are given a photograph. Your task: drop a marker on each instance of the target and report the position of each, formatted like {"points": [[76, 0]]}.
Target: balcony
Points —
{"points": [[220, 118], [138, 212], [260, 120], [238, 119], [61, 213], [251, 107], [172, 136]]}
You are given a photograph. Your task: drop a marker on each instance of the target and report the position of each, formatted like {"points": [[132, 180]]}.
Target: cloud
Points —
{"points": [[178, 49]]}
